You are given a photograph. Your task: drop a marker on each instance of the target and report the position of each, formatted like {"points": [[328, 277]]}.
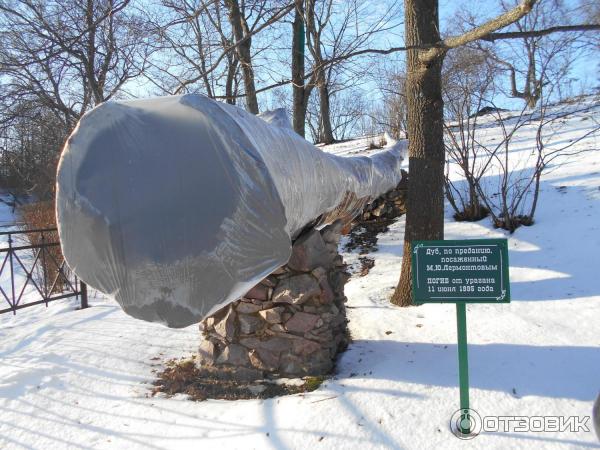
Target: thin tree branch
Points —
{"points": [[491, 37], [479, 32]]}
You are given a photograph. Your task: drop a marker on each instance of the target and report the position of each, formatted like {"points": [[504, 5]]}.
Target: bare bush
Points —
{"points": [[48, 271], [467, 80], [511, 192]]}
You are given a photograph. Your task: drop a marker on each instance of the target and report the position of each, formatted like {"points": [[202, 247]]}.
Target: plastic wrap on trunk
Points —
{"points": [[176, 206]]}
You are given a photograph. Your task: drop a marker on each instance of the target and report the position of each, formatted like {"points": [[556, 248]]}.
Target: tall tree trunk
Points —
{"points": [[202, 57], [90, 57], [299, 100], [326, 130], [314, 45], [240, 30], [425, 200], [230, 80]]}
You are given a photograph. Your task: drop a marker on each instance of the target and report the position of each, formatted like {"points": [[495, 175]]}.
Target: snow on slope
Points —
{"points": [[80, 379]]}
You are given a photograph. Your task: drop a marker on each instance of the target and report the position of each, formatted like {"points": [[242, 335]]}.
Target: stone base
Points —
{"points": [[389, 206], [291, 324]]}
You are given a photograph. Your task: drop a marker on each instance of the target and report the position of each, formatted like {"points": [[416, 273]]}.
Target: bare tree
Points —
{"points": [[300, 90], [534, 59], [214, 40], [186, 42], [243, 40], [331, 44], [549, 153], [390, 115], [467, 80], [32, 140], [425, 206], [53, 67], [316, 20]]}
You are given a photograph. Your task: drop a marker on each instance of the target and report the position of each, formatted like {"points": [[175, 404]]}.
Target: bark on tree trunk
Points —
{"points": [[314, 44], [240, 30], [425, 199], [299, 101], [230, 80], [326, 130], [532, 101]]}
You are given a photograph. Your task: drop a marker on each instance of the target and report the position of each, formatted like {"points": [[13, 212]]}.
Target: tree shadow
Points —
{"points": [[518, 370]]}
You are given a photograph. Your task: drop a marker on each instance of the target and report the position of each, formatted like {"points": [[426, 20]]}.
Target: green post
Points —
{"points": [[463, 366]]}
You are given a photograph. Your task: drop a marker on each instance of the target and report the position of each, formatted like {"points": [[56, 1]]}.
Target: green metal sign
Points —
{"points": [[465, 271], [469, 271]]}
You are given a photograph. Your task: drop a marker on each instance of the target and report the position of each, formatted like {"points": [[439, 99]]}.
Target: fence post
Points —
{"points": [[44, 268], [12, 274], [84, 297]]}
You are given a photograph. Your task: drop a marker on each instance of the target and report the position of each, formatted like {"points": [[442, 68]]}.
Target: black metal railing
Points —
{"points": [[33, 271]]}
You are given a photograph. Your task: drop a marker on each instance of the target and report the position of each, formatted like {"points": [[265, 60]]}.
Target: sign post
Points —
{"points": [[461, 272], [463, 366]]}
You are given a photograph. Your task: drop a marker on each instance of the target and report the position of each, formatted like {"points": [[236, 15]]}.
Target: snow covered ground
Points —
{"points": [[80, 379]]}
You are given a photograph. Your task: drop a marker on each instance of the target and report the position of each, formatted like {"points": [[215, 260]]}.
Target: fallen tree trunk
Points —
{"points": [[177, 206]]}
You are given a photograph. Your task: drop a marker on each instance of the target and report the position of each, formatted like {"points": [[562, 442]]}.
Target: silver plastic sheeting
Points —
{"points": [[176, 206]]}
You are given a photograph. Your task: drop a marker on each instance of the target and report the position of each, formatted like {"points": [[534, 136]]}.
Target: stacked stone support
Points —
{"points": [[293, 323], [390, 205]]}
